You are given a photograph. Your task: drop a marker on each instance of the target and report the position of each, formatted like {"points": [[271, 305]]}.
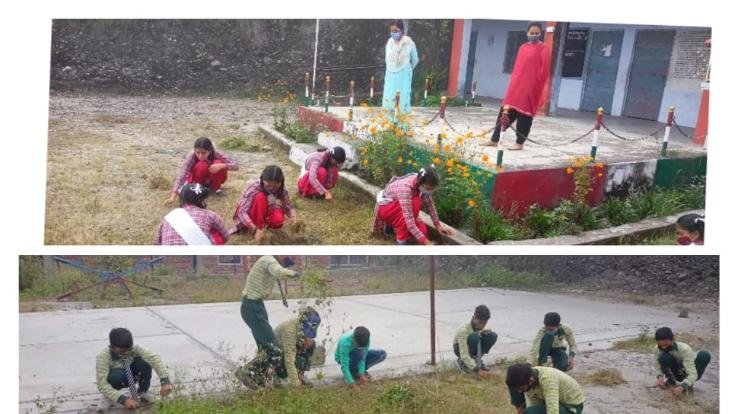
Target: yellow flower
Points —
{"points": [[410, 162], [466, 174], [399, 160], [373, 130], [472, 203], [436, 160], [450, 163], [447, 148], [436, 148], [485, 158], [469, 134], [450, 171], [459, 140], [443, 135], [366, 162]]}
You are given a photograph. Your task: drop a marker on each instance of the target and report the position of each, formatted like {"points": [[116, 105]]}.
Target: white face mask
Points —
{"points": [[425, 191]]}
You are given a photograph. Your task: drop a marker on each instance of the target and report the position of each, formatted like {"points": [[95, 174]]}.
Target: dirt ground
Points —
{"points": [[112, 161]]}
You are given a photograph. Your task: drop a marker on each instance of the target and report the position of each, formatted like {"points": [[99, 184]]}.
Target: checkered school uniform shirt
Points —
{"points": [[247, 198], [312, 163], [205, 219], [190, 161], [402, 189]]}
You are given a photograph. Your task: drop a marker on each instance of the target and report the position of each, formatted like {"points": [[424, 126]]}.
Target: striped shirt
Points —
{"points": [[287, 334], [460, 339], [205, 219], [564, 335], [684, 354], [554, 387], [313, 162], [343, 350], [262, 277], [107, 360], [247, 198], [190, 161], [403, 190]]}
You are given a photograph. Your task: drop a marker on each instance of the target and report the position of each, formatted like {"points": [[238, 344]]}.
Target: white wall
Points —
{"points": [[570, 93], [490, 55]]}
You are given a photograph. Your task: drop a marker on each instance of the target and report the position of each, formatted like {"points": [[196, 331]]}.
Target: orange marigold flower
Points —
{"points": [[466, 174], [569, 170], [447, 148], [600, 165], [469, 134], [399, 160], [599, 174], [472, 203], [366, 162], [437, 148], [485, 158], [450, 163], [373, 130], [436, 160], [450, 171]]}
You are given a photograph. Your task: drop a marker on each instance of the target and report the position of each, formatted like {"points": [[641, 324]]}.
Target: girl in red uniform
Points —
{"points": [[398, 206], [204, 165], [264, 203], [321, 173]]}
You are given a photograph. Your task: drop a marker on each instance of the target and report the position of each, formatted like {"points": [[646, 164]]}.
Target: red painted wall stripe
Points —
{"points": [[455, 63]]}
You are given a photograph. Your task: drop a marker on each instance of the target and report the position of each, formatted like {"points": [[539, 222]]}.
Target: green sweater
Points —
{"points": [[683, 354], [287, 334], [345, 346], [460, 339], [554, 387], [563, 336], [263, 276], [106, 360]]}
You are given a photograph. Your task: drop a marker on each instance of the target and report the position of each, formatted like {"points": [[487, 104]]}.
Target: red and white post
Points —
{"points": [[371, 87], [427, 87], [504, 124], [596, 133], [667, 131], [307, 89], [442, 111]]}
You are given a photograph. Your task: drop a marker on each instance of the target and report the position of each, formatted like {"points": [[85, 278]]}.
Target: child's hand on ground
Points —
{"points": [[678, 390], [482, 373], [428, 242], [570, 365], [328, 196], [446, 231], [363, 379], [170, 200], [166, 389], [131, 404], [258, 235]]}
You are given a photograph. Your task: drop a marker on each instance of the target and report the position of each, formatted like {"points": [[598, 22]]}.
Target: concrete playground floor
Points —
{"points": [[552, 135], [200, 343]]}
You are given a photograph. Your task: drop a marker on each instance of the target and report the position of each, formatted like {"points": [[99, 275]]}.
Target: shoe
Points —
{"points": [[515, 147], [388, 230], [401, 242], [488, 144], [462, 366], [146, 397], [220, 192]]}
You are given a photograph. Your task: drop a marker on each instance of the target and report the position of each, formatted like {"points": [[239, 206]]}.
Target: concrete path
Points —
{"points": [[200, 342], [552, 136]]}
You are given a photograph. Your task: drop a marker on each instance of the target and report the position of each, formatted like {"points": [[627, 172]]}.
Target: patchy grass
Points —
{"points": [[107, 181], [643, 343], [445, 391], [239, 143], [608, 377]]}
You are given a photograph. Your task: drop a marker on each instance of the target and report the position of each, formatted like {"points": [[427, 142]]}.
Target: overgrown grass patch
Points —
{"points": [[608, 377], [440, 392]]}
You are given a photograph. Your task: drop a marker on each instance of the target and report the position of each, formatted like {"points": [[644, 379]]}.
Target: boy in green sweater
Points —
{"points": [[472, 341], [551, 340], [677, 366], [548, 390], [355, 357], [124, 364]]}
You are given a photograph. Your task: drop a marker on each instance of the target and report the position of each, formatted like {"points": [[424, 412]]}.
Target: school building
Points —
{"points": [[635, 71]]}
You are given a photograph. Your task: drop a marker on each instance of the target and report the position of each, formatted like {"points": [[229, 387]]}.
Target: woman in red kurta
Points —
{"points": [[527, 81]]}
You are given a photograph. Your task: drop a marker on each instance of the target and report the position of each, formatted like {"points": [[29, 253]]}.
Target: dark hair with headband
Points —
{"points": [[273, 173], [428, 175], [693, 222], [207, 145]]}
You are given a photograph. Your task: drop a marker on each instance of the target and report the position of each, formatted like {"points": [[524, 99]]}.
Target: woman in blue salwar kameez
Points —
{"points": [[401, 57]]}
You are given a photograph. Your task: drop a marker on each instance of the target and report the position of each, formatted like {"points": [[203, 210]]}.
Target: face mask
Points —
{"points": [[396, 35], [533, 39], [425, 191], [684, 240]]}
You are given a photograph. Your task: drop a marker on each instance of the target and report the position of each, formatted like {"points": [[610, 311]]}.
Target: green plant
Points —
{"points": [[300, 133], [30, 269], [435, 101], [487, 225], [239, 143], [381, 156], [396, 397]]}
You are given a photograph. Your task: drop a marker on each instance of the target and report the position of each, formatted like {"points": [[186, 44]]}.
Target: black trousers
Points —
{"points": [[523, 123]]}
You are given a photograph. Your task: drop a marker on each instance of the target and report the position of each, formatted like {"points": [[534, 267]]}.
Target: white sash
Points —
{"points": [[186, 227], [382, 199]]}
